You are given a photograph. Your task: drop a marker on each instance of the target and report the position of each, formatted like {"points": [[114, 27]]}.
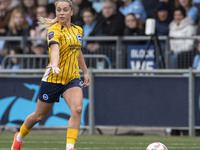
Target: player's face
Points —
{"points": [[64, 12]]}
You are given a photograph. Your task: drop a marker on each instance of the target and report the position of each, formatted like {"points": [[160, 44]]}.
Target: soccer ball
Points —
{"points": [[156, 146]]}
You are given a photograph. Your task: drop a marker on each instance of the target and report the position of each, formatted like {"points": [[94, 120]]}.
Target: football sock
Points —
{"points": [[72, 135], [19, 138], [69, 146], [23, 132]]}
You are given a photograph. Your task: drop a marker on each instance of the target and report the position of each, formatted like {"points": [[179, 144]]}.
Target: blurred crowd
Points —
{"points": [[175, 18]]}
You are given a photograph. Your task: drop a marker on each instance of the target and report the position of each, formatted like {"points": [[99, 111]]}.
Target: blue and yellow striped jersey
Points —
{"points": [[69, 41]]}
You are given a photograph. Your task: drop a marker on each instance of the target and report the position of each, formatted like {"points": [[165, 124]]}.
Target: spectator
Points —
{"points": [[97, 5], [18, 26], [192, 11], [6, 8], [43, 2], [38, 48], [29, 7], [119, 3], [53, 1], [110, 22], [133, 6], [15, 62], [149, 6], [89, 16], [182, 26], [196, 62], [37, 30], [41, 11], [163, 18], [133, 25], [171, 3], [79, 5], [51, 9], [196, 3]]}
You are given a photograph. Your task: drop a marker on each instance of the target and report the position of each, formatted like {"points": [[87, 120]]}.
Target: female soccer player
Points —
{"points": [[62, 74]]}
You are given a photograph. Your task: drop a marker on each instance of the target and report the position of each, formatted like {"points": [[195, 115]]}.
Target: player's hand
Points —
{"points": [[87, 80], [55, 69]]}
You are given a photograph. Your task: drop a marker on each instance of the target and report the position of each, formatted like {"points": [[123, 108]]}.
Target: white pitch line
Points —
{"points": [[183, 147], [98, 148], [86, 148], [102, 143], [43, 142]]}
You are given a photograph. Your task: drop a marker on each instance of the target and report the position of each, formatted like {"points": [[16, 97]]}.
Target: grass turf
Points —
{"points": [[101, 142]]}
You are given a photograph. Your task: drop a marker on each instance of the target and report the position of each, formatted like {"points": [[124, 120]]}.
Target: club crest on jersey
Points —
{"points": [[79, 38], [51, 35]]}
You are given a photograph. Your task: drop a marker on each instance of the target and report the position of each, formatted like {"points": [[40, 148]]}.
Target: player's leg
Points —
{"points": [[74, 99], [40, 113]]}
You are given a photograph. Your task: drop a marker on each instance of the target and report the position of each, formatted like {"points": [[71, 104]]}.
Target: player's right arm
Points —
{"points": [[53, 43], [54, 58]]}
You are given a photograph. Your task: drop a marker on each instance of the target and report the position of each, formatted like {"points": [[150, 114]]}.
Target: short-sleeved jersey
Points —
{"points": [[69, 41]]}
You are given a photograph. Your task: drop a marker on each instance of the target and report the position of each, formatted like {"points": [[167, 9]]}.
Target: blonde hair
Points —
{"points": [[49, 22], [12, 25]]}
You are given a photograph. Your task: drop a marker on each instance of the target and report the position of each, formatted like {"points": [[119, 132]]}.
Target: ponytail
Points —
{"points": [[47, 22]]}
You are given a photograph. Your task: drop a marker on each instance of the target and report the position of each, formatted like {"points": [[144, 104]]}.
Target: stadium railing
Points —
{"points": [[31, 61], [117, 48]]}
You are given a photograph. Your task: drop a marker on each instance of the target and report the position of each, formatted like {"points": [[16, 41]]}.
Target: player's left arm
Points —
{"points": [[82, 65]]}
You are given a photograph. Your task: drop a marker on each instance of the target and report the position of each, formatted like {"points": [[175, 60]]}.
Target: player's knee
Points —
{"points": [[40, 117], [77, 110]]}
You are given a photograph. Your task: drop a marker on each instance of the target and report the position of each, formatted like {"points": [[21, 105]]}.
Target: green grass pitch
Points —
{"points": [[101, 142]]}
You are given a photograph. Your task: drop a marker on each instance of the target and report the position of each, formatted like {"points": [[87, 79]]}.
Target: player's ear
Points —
{"points": [[72, 12]]}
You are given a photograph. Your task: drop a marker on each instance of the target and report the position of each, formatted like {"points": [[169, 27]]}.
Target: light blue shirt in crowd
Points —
{"points": [[135, 7], [193, 13], [87, 29], [14, 67], [196, 62]]}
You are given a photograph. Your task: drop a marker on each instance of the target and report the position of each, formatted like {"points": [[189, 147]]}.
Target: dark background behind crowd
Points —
{"points": [[178, 18]]}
